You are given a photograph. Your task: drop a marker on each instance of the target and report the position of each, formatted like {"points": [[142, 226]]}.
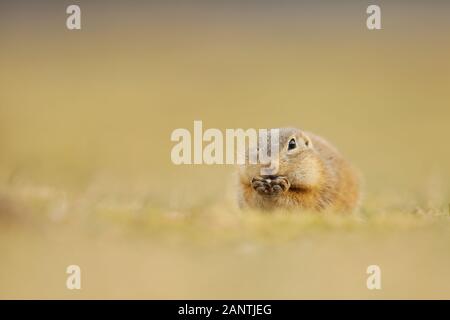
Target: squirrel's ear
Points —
{"points": [[307, 139]]}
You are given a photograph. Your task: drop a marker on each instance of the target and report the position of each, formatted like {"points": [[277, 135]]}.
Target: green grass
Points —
{"points": [[128, 247]]}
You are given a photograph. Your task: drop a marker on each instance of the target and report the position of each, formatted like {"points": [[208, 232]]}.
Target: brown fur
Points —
{"points": [[313, 176]]}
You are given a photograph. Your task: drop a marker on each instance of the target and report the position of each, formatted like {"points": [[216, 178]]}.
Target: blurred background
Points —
{"points": [[85, 170]]}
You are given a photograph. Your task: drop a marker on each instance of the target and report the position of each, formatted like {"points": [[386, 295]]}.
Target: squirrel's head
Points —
{"points": [[296, 160]]}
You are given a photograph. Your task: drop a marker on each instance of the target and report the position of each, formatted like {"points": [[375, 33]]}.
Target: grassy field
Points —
{"points": [[86, 176]]}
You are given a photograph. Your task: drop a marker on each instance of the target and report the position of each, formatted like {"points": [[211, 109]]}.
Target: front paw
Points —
{"points": [[270, 185], [280, 184]]}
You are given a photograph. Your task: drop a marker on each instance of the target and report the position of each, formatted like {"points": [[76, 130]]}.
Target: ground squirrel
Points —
{"points": [[312, 175]]}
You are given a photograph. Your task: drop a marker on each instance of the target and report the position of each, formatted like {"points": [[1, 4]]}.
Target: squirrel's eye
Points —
{"points": [[292, 144]]}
